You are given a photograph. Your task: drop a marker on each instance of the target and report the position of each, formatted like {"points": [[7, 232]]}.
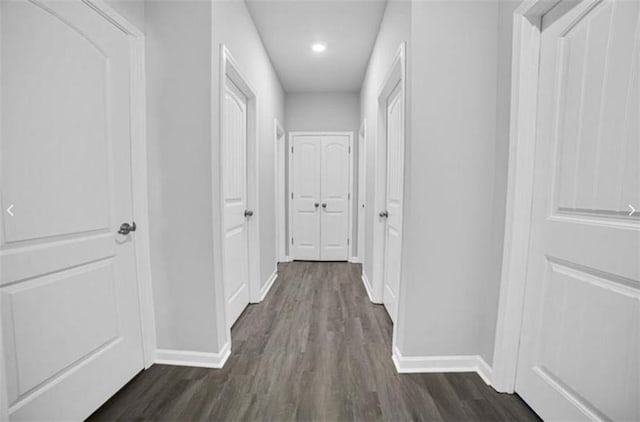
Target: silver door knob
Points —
{"points": [[316, 205], [126, 228], [248, 213], [324, 205], [384, 214]]}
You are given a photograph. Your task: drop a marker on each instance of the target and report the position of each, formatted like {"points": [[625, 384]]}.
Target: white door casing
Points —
{"points": [[394, 79], [394, 194], [580, 341], [66, 167], [320, 180], [234, 168], [280, 190], [362, 189], [335, 203]]}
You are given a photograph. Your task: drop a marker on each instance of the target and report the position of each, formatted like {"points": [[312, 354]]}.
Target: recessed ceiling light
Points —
{"points": [[318, 47]]}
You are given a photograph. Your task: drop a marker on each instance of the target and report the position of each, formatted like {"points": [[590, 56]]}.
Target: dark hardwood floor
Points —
{"points": [[314, 349]]}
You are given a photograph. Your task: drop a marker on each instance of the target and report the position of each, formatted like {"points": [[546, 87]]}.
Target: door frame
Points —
{"points": [[229, 68], [279, 139], [362, 190], [139, 189], [525, 66], [396, 74], [350, 195], [139, 173]]}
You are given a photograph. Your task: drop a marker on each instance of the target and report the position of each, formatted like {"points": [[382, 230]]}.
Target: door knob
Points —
{"points": [[316, 205], [126, 228], [248, 213], [324, 205], [384, 214]]}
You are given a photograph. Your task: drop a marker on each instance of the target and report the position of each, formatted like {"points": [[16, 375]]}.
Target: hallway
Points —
{"points": [[314, 349], [319, 210]]}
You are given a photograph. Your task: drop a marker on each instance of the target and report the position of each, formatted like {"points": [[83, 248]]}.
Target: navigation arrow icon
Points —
{"points": [[9, 210], [633, 210]]}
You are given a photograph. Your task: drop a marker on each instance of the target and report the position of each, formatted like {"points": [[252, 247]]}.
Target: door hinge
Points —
{"points": [[348, 241], [292, 240], [349, 149], [291, 149], [291, 195], [349, 196]]}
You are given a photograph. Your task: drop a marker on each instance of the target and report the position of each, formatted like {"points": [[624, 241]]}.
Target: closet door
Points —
{"points": [[579, 355], [69, 311], [393, 212], [335, 198], [234, 170], [305, 197]]}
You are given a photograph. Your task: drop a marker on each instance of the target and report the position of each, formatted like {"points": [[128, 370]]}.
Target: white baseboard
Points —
{"points": [[286, 259], [355, 260], [365, 281], [189, 358], [417, 364], [265, 289]]}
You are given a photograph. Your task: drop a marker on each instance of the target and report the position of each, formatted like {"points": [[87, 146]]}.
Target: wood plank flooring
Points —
{"points": [[314, 349]]}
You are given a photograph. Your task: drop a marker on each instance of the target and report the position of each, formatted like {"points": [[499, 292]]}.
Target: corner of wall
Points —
{"points": [[181, 112], [447, 363], [194, 359]]}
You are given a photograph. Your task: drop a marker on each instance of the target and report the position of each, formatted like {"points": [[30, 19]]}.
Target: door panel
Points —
{"points": [[580, 344], [306, 171], [234, 167], [76, 196], [395, 176], [87, 294], [335, 195], [70, 315]]}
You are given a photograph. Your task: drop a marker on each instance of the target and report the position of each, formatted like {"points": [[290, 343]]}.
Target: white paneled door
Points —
{"points": [[394, 194], [70, 313], [334, 208], [580, 346], [306, 195], [236, 214], [320, 169]]}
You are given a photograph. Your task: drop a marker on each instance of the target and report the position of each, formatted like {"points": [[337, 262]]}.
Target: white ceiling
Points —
{"points": [[289, 27]]}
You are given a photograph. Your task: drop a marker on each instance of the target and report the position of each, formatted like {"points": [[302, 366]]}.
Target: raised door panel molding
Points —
{"points": [[80, 303], [60, 111], [596, 131]]}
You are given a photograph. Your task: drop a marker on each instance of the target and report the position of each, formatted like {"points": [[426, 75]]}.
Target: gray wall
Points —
{"points": [[449, 281], [178, 40], [323, 111], [458, 66]]}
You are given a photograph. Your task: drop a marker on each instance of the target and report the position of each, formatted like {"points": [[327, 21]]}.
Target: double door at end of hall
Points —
{"points": [[320, 169]]}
